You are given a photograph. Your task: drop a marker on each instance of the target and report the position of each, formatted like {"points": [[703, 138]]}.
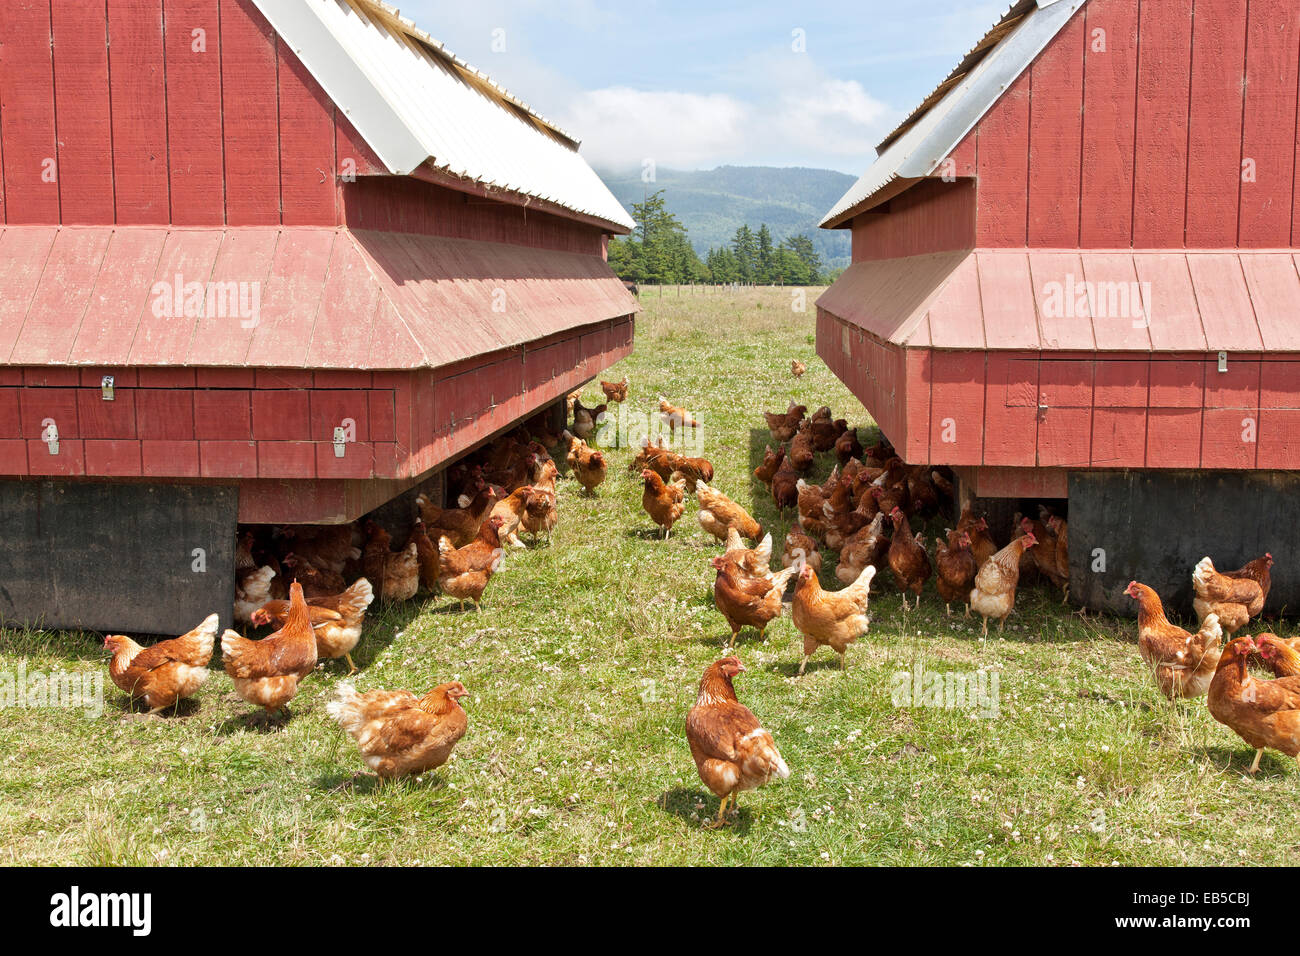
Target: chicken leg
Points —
{"points": [[352, 667], [803, 663], [1254, 767]]}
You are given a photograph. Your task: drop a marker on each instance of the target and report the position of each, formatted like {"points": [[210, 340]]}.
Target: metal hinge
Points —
{"points": [[1223, 361], [340, 440], [1042, 408]]}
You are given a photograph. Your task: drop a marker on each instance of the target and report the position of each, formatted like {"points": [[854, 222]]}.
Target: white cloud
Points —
{"points": [[796, 116]]}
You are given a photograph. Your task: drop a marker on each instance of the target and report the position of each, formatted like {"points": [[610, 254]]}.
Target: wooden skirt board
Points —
{"points": [[1154, 527], [116, 557]]}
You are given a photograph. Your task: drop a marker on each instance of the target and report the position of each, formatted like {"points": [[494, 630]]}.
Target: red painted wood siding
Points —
{"points": [[934, 216], [1132, 126], [391, 204]]}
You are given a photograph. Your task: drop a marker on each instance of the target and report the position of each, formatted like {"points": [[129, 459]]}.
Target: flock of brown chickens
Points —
{"points": [[1263, 712], [295, 579]]}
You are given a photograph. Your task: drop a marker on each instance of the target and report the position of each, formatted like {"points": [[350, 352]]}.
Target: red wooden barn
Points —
{"points": [[263, 261], [1074, 275]]}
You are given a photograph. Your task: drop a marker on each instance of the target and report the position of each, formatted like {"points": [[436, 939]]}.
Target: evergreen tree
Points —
{"points": [[763, 251]]}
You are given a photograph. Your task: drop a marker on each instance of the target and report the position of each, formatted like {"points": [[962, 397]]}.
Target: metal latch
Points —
{"points": [[340, 440], [106, 388], [1223, 361], [1042, 407], [51, 435]]}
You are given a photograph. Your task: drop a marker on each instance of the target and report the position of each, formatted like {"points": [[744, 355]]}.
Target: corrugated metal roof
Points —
{"points": [[280, 297], [1076, 300], [917, 147], [414, 102]]}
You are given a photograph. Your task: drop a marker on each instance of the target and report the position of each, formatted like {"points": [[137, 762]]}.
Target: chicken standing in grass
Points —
{"points": [[747, 601], [399, 733], [1183, 663], [732, 751], [166, 672], [337, 619], [833, 619], [663, 503], [994, 594], [267, 672], [718, 514], [1264, 713]]}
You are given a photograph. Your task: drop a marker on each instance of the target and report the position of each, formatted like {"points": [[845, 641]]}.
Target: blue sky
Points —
{"points": [[697, 85]]}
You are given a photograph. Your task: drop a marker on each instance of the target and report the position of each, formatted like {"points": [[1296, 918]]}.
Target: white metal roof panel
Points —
{"points": [[934, 134], [414, 103]]}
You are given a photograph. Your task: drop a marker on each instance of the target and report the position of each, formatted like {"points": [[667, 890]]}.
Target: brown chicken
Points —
{"points": [[510, 510], [800, 547], [981, 542], [1183, 664], [337, 620], [1264, 713], [719, 514], [869, 546], [785, 485], [398, 733], [784, 426], [615, 391], [458, 525], [994, 593], [800, 455], [755, 562], [395, 575], [541, 512], [267, 672], [426, 552], [588, 466], [663, 503], [1281, 655], [847, 446], [732, 751], [771, 463], [907, 558], [163, 673], [833, 619], [748, 601], [464, 573], [797, 368], [648, 457], [587, 420], [675, 417], [1235, 596], [690, 470], [252, 590], [956, 569], [1046, 557]]}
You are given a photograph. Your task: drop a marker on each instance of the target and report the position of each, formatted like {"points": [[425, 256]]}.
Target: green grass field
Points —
{"points": [[582, 666]]}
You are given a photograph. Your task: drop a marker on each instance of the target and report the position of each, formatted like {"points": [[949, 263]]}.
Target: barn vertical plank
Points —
{"points": [[1003, 160], [82, 105], [1160, 178], [195, 157], [1109, 121], [1214, 142], [1279, 418], [136, 85], [250, 115], [1121, 389], [23, 253], [61, 298], [957, 408], [1269, 128], [1055, 139], [31, 172], [307, 164]]}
